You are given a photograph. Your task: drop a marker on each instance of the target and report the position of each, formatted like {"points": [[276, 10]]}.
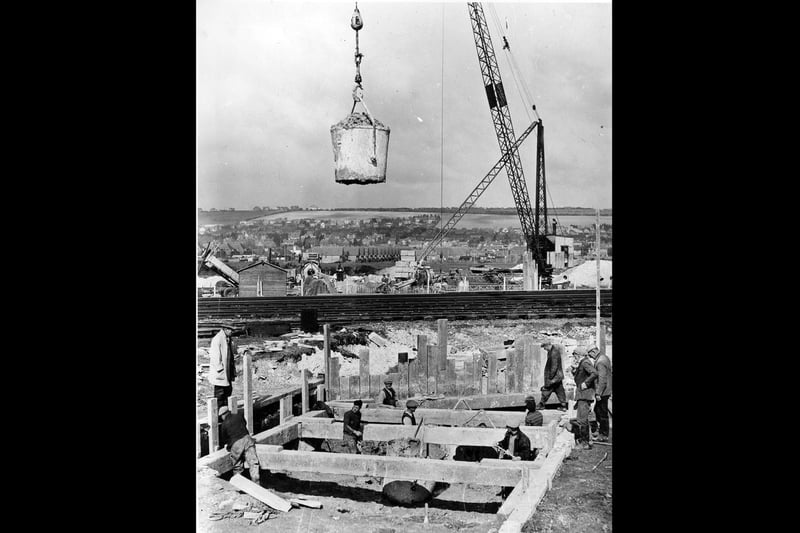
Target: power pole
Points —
{"points": [[597, 291]]}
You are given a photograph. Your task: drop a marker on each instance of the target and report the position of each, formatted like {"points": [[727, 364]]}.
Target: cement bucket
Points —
{"points": [[360, 150], [408, 491]]}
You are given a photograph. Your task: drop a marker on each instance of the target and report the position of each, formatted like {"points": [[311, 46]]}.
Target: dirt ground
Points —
{"points": [[581, 499]]}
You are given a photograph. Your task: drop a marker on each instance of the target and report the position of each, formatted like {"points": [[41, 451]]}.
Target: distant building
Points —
{"points": [[272, 280]]}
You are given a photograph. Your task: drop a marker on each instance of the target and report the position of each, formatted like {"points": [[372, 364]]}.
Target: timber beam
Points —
{"points": [[449, 417], [506, 475], [540, 437]]}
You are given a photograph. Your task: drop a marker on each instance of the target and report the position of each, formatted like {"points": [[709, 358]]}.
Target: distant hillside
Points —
{"points": [[231, 217], [557, 211]]}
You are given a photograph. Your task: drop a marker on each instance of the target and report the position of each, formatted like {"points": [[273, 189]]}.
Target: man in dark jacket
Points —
{"points": [[553, 376], [387, 396], [515, 446], [602, 392], [352, 433], [585, 376], [532, 416], [241, 445]]}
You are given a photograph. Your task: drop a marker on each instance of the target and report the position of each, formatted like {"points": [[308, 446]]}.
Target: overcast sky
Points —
{"points": [[273, 77]]}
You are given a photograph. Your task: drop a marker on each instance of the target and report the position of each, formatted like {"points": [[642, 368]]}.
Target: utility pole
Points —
{"points": [[597, 291]]}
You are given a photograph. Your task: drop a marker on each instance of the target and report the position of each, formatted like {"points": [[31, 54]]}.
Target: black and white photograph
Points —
{"points": [[404, 266]]}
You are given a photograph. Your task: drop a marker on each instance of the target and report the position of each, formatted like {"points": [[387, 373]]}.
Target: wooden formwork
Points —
{"points": [[530, 479]]}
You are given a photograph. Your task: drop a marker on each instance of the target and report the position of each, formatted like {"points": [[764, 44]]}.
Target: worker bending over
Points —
{"points": [[408, 415], [515, 446], [532, 416], [242, 447], [353, 431], [387, 396]]}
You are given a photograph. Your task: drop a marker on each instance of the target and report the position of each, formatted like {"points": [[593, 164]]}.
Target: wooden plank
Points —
{"points": [[422, 367], [334, 379], [492, 382], [448, 417], [233, 404], [539, 357], [511, 370], [433, 370], [442, 330], [326, 354], [529, 370], [285, 409], [508, 474], [198, 434], [451, 378], [260, 493], [375, 385], [466, 383], [304, 392], [413, 377], [519, 371], [321, 390], [401, 385], [221, 459], [280, 434], [213, 425], [248, 392], [363, 374], [477, 367], [514, 499], [355, 387]]}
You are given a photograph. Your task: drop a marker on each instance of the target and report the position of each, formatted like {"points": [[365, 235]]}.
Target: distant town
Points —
{"points": [[246, 235]]}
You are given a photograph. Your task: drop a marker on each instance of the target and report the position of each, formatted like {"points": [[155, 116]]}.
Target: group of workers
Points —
{"points": [[590, 369]]}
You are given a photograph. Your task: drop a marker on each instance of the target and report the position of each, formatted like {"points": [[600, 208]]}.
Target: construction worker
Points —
{"points": [[585, 377], [553, 376], [532, 416], [515, 446], [602, 392], [242, 447], [408, 415], [387, 396], [353, 431], [223, 367]]}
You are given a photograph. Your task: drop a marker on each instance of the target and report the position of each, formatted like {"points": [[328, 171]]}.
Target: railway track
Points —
{"points": [[338, 309]]}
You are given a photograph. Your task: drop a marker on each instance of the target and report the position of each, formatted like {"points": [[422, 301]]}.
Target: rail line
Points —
{"points": [[338, 309]]}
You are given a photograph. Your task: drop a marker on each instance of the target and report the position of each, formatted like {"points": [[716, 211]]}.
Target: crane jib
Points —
{"points": [[496, 95]]}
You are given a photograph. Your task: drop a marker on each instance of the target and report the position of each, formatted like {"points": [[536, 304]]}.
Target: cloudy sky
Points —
{"points": [[273, 77]]}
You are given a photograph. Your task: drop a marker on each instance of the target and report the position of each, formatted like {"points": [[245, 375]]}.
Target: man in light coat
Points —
{"points": [[222, 372], [602, 392]]}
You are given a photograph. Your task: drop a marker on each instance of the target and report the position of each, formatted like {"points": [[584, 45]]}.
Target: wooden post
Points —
{"points": [[199, 439], [477, 367], [333, 378], [465, 381], [304, 392], [491, 387], [320, 392], [355, 390], [442, 323], [434, 386], [413, 377], [326, 331], [422, 357], [401, 384], [519, 371], [285, 408], [511, 371], [248, 392], [233, 404], [602, 342], [451, 377], [213, 425], [597, 291], [363, 373]]}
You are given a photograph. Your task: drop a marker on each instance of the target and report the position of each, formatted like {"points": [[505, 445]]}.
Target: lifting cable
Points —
{"points": [[356, 22]]}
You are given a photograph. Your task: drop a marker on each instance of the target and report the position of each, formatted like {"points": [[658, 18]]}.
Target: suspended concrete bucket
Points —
{"points": [[360, 150]]}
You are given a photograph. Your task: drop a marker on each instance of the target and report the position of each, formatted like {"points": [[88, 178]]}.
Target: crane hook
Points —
{"points": [[356, 23]]}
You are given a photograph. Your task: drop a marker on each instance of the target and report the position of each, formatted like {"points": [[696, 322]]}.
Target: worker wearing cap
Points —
{"points": [[387, 396], [353, 430], [585, 376], [242, 447], [532, 416], [602, 392], [515, 446], [408, 415], [222, 366], [553, 376]]}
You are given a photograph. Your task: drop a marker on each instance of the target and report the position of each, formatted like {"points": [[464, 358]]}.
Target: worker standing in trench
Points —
{"points": [[241, 445], [387, 396], [408, 415], [515, 446], [223, 367], [353, 430]]}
